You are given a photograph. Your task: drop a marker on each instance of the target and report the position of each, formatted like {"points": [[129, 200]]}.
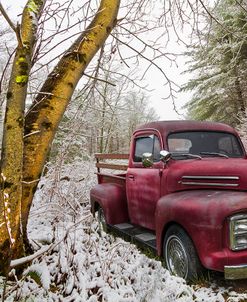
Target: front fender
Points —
{"points": [[112, 199], [202, 214]]}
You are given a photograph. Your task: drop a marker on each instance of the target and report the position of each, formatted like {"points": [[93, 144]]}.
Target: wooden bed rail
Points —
{"points": [[111, 156]]}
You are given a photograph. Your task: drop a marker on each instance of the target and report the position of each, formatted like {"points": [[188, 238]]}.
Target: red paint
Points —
{"points": [[112, 198], [163, 194], [203, 214]]}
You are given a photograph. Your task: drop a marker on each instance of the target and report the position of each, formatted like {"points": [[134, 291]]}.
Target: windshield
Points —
{"points": [[205, 144]]}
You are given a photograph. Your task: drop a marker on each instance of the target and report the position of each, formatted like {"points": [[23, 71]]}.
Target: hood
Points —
{"points": [[207, 173]]}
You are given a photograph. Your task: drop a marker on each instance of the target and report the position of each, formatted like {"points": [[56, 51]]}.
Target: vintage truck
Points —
{"points": [[184, 194]]}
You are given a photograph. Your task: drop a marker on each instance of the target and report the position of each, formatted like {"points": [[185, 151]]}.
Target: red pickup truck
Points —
{"points": [[184, 193]]}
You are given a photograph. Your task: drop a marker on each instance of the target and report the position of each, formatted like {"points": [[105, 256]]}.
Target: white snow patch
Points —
{"points": [[41, 269]]}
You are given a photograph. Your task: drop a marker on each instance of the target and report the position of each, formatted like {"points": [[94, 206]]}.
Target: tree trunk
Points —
{"points": [[45, 114], [11, 244]]}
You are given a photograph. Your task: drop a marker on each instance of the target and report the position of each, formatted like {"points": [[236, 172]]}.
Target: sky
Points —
{"points": [[157, 90], [165, 107]]}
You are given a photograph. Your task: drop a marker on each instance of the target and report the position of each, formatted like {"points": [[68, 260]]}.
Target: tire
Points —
{"points": [[180, 255], [101, 221]]}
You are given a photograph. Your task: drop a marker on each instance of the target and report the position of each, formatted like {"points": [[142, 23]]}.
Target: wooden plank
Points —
{"points": [[112, 176], [111, 156], [111, 166]]}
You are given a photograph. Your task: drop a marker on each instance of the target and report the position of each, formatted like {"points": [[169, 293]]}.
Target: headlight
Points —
{"points": [[238, 232]]}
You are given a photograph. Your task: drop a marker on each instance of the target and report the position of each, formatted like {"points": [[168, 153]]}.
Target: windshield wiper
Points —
{"points": [[214, 154], [187, 155]]}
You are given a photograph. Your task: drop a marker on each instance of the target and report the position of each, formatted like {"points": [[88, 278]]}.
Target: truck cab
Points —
{"points": [[185, 194]]}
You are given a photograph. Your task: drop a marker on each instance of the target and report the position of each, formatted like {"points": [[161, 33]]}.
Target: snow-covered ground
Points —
{"points": [[81, 265]]}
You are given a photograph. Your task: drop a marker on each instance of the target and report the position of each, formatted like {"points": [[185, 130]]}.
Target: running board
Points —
{"points": [[136, 234]]}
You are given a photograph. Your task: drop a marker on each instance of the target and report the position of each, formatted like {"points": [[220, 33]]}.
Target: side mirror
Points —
{"points": [[147, 160], [165, 156]]}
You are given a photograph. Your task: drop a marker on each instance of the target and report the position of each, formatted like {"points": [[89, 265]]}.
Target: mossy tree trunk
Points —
{"points": [[26, 158], [11, 243]]}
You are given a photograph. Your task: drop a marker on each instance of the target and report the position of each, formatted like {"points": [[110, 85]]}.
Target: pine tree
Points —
{"points": [[219, 61]]}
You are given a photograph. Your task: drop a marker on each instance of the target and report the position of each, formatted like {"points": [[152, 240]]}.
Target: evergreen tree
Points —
{"points": [[219, 61]]}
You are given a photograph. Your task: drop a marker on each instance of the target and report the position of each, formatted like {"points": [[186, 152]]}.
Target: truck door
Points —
{"points": [[143, 184]]}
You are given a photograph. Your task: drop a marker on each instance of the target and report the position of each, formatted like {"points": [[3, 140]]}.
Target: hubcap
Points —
{"points": [[176, 257]]}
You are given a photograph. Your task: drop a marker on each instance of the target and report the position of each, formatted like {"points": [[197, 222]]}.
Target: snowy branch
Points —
{"points": [[24, 260], [27, 259]]}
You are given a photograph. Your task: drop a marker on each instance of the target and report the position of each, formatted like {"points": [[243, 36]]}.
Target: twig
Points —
{"points": [[33, 181], [4, 70], [24, 260], [239, 3], [98, 79], [18, 35], [6, 17], [31, 133]]}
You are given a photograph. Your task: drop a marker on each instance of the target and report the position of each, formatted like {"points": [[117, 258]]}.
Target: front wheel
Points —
{"points": [[180, 255]]}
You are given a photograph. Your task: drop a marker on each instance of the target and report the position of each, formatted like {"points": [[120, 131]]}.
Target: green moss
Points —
{"points": [[33, 7], [21, 59], [23, 64], [35, 276], [22, 79]]}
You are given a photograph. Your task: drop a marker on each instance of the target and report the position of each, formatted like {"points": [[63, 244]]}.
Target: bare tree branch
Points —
{"points": [[6, 17]]}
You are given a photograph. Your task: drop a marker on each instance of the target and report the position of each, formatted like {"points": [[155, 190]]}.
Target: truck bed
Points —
{"points": [[117, 162], [111, 178]]}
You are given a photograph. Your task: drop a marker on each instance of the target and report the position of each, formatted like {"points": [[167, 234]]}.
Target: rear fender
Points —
{"points": [[112, 199]]}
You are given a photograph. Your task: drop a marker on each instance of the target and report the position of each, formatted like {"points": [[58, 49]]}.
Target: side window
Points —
{"points": [[147, 144]]}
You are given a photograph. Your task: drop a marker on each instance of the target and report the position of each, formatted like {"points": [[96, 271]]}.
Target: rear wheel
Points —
{"points": [[180, 255], [101, 221]]}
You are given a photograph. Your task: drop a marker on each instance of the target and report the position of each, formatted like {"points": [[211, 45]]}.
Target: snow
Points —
{"points": [[42, 271], [82, 265]]}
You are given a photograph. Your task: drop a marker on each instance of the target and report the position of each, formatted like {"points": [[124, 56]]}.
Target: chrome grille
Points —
{"points": [[203, 180]]}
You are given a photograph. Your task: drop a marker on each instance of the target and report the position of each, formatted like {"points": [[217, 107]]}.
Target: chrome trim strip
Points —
{"points": [[210, 177], [238, 217], [235, 272], [216, 184]]}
